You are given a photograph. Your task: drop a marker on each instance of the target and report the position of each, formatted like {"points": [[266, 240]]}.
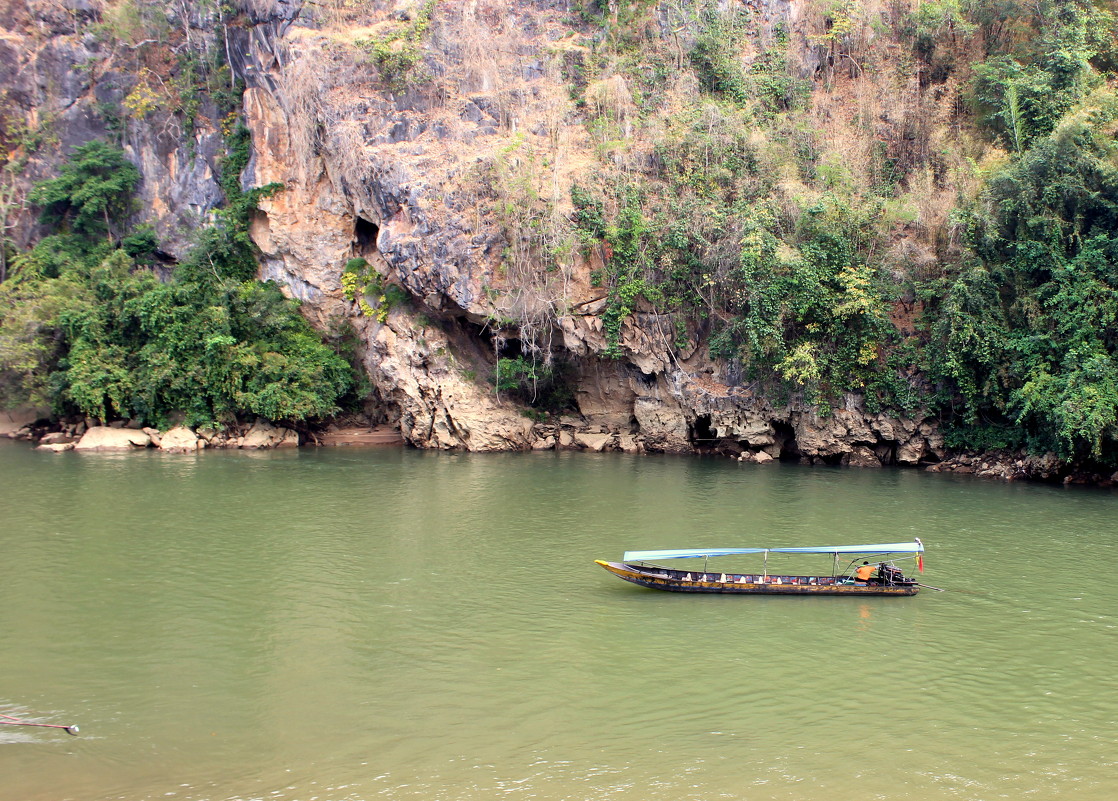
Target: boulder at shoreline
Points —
{"points": [[180, 439], [104, 438]]}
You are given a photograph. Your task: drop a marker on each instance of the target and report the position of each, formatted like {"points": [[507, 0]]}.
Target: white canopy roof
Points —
{"points": [[691, 553]]}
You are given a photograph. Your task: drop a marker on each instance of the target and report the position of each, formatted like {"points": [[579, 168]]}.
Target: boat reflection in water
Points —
{"points": [[888, 579]]}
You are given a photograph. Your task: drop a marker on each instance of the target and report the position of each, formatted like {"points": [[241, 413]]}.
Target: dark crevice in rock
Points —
{"points": [[365, 235], [785, 435], [704, 438], [647, 379], [700, 432], [475, 342], [508, 347]]}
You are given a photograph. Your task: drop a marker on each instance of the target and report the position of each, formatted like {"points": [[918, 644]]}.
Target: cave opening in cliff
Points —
{"points": [[528, 371], [785, 436], [484, 341], [647, 379], [365, 235], [507, 347], [701, 434]]}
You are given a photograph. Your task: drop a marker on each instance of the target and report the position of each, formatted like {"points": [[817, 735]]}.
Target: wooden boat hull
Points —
{"points": [[659, 578]]}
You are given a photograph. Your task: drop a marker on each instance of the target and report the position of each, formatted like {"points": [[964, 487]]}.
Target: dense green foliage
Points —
{"points": [[92, 193], [140, 348], [1028, 332], [787, 256], [544, 387], [816, 318], [83, 327], [1023, 92], [1022, 334]]}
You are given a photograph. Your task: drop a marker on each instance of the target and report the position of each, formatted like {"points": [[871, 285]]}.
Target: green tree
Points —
{"points": [[140, 348], [814, 319], [81, 324], [1028, 337], [92, 195], [1022, 95]]}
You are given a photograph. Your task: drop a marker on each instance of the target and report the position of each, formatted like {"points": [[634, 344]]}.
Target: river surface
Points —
{"points": [[343, 624]]}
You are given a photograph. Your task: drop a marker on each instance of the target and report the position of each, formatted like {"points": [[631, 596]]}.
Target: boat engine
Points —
{"points": [[889, 575]]}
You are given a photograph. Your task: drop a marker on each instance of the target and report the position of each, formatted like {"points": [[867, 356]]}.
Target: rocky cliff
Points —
{"points": [[428, 152]]}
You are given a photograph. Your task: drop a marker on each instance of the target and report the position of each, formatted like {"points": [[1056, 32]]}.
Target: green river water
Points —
{"points": [[342, 624]]}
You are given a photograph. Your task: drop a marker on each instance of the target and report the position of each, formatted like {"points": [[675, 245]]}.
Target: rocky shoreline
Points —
{"points": [[567, 434], [1018, 466], [59, 437]]}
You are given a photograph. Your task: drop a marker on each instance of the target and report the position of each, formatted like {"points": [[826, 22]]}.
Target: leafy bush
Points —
{"points": [[545, 385], [396, 53], [1022, 95], [360, 282], [589, 216], [716, 57], [629, 268], [519, 374], [134, 347], [83, 326], [92, 194], [1029, 336], [814, 319]]}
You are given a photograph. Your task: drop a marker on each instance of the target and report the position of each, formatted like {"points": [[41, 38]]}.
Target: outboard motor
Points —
{"points": [[891, 575]]}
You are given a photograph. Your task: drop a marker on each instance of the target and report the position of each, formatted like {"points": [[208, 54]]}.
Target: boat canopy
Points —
{"points": [[915, 547]]}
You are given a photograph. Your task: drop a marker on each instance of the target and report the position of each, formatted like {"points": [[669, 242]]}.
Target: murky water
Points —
{"points": [[362, 624]]}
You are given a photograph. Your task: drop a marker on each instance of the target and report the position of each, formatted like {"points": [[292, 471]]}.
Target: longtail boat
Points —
{"points": [[889, 579]]}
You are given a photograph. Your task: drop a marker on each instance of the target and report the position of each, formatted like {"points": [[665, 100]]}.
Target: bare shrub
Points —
{"points": [[610, 97], [313, 81], [538, 260]]}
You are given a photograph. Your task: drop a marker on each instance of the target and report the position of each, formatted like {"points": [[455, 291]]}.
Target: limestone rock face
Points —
{"points": [[56, 447], [415, 181], [56, 438], [60, 79], [386, 176], [15, 420], [439, 406], [861, 456], [663, 423], [104, 438]]}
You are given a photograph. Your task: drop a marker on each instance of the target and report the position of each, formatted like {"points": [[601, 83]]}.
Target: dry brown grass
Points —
{"points": [[880, 119], [311, 77]]}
